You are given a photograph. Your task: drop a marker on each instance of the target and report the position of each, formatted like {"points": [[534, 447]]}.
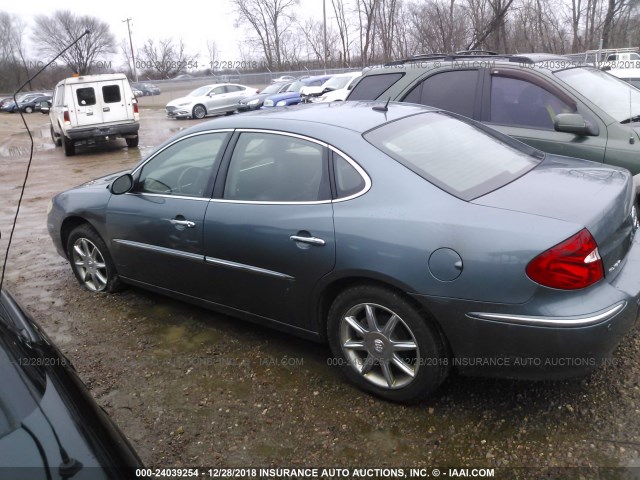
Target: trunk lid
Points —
{"points": [[585, 193]]}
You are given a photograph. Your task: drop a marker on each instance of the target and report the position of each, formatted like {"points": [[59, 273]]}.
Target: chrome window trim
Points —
{"points": [[155, 248], [353, 163], [162, 195], [559, 322], [250, 268]]}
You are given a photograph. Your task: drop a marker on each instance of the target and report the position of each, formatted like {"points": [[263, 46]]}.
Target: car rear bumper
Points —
{"points": [[119, 130], [542, 338]]}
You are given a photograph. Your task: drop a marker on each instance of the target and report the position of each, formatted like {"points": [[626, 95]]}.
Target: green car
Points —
{"points": [[546, 101]]}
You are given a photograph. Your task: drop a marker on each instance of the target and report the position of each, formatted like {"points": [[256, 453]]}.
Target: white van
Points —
{"points": [[93, 108]]}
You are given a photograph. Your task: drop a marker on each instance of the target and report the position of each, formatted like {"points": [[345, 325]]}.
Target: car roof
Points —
{"points": [[356, 116]]}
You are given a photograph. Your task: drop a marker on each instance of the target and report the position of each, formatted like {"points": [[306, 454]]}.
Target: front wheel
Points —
{"points": [[199, 112], [28, 110], [385, 346], [90, 260]]}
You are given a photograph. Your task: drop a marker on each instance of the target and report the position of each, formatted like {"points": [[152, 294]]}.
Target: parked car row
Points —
{"points": [[27, 103]]}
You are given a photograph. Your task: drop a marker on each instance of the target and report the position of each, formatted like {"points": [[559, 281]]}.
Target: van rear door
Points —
{"points": [[115, 103], [88, 106]]}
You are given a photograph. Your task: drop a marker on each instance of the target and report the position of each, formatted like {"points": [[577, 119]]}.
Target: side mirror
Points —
{"points": [[574, 123], [122, 184]]}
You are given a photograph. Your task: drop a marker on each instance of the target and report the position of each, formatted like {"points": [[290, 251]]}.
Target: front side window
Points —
{"points": [[184, 168], [524, 104], [617, 98], [111, 94], [268, 167], [86, 96], [454, 91], [456, 156]]}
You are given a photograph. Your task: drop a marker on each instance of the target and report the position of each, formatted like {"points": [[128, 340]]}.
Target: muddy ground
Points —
{"points": [[191, 387]]}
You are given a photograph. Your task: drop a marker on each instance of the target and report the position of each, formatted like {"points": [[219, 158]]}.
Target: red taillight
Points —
{"points": [[66, 118], [135, 107], [572, 264]]}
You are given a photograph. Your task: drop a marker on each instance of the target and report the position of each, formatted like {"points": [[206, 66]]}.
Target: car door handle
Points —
{"points": [[310, 240], [183, 223]]}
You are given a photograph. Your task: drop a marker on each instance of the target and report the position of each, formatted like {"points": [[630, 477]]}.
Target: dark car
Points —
{"points": [[546, 101], [50, 426], [412, 239], [34, 104], [146, 88], [254, 102]]}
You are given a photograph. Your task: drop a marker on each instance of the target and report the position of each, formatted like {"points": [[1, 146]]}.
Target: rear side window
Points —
{"points": [[111, 94], [372, 86], [348, 180], [454, 91], [86, 96], [454, 155]]}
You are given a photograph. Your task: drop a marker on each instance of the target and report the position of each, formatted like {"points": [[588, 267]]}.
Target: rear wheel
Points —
{"points": [[56, 140], [199, 112], [90, 260], [28, 109], [385, 346], [69, 147], [132, 141]]}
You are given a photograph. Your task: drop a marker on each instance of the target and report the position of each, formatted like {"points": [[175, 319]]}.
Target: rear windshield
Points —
{"points": [[456, 156], [372, 86]]}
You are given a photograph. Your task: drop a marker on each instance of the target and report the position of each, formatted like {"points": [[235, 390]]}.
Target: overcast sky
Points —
{"points": [[195, 22]]}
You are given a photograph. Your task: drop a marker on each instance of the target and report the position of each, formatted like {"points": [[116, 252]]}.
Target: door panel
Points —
{"points": [[269, 235], [156, 231], [253, 265], [114, 103], [88, 104]]}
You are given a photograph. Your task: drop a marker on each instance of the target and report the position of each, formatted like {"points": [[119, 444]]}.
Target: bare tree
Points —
{"points": [[212, 50], [367, 10], [53, 34], [13, 63], [269, 21], [165, 59], [343, 29]]}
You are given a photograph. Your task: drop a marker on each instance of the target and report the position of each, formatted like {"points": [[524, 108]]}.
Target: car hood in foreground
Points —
{"points": [[577, 191]]}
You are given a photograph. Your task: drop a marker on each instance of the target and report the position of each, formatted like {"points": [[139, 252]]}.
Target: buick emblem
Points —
{"points": [[378, 345]]}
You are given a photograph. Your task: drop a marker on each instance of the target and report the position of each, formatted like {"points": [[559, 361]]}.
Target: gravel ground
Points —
{"points": [[190, 387]]}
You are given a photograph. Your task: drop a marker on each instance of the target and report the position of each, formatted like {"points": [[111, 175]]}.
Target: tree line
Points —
{"points": [[279, 36]]}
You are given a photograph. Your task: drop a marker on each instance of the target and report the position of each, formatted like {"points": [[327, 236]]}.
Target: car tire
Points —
{"points": [[69, 147], [400, 356], [199, 112], [57, 141], [28, 109], [132, 142], [91, 262]]}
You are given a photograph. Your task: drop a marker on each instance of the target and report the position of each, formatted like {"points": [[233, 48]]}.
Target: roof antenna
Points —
{"points": [[384, 109], [26, 175]]}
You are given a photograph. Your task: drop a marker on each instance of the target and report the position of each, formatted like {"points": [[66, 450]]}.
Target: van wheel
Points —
{"points": [[199, 112], [69, 147], [57, 141], [132, 142], [385, 346]]}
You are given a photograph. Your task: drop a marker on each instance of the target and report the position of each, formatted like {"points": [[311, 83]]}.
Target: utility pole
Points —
{"points": [[324, 15], [133, 58]]}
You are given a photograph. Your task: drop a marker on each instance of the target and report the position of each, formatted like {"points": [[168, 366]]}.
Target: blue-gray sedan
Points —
{"points": [[414, 241]]}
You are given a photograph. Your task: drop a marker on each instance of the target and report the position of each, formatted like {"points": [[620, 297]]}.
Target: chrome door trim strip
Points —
{"points": [[559, 322], [249, 268], [155, 248]]}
